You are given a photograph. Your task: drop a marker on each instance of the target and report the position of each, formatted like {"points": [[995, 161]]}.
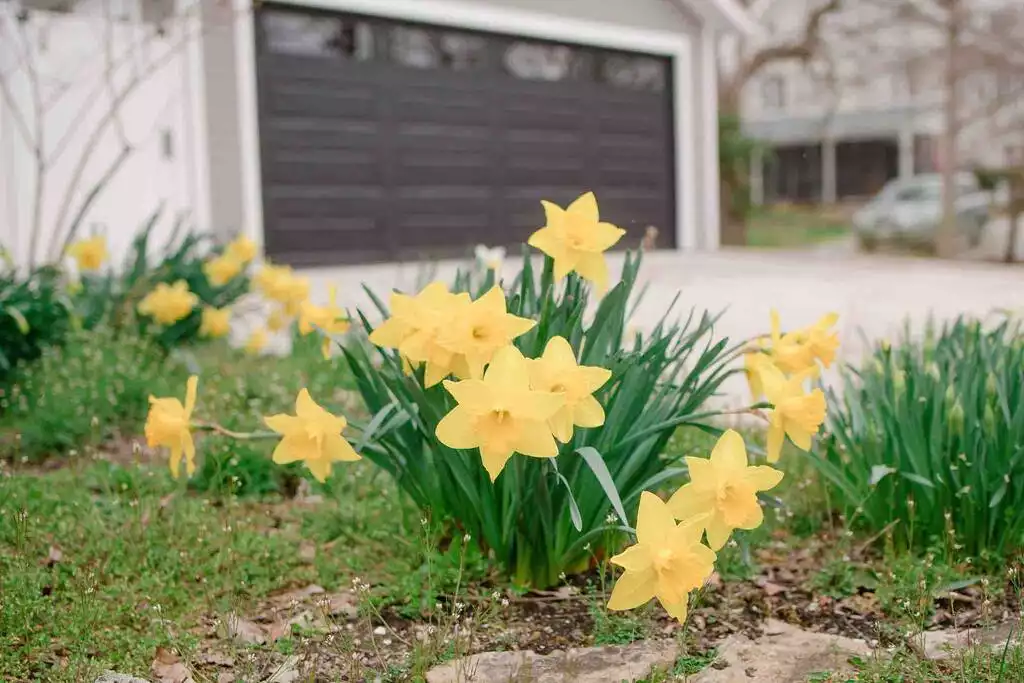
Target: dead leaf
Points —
{"points": [[167, 667], [286, 598], [279, 629], [216, 659], [53, 557], [770, 589], [243, 631]]}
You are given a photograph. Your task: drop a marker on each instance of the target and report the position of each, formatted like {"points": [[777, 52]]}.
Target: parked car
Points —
{"points": [[909, 212]]}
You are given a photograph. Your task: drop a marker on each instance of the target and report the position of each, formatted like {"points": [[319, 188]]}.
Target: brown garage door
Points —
{"points": [[383, 140]]}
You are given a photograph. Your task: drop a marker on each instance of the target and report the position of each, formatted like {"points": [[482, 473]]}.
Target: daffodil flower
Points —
{"points": [[576, 239], [797, 413], [167, 425], [313, 436], [90, 253], [480, 329], [256, 342], [414, 326], [221, 269], [500, 414], [241, 249], [167, 304], [667, 562], [723, 490], [216, 322], [556, 371], [330, 319], [788, 350], [821, 341]]}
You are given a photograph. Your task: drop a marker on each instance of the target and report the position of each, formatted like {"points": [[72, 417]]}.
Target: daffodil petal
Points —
{"points": [[473, 394], [559, 352], [191, 391], [635, 558], [457, 429], [678, 611], [730, 454], [718, 532], [305, 407], [690, 501], [763, 478], [585, 208], [535, 439], [338, 449], [654, 522], [588, 413], [282, 424], [539, 405], [320, 468], [776, 436], [561, 424], [494, 460], [509, 370], [593, 267], [632, 590], [295, 447], [594, 377], [189, 448]]}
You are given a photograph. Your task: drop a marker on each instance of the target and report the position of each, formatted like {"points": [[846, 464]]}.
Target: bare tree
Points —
{"points": [[750, 60], [127, 56]]}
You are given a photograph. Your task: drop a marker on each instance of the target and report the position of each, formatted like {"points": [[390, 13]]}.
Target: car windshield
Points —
{"points": [[917, 192]]}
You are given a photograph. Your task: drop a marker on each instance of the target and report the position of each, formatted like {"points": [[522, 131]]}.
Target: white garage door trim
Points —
{"points": [[677, 46]]}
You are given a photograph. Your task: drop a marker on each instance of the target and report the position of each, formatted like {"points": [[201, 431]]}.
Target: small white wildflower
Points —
{"points": [[467, 538], [504, 602], [611, 519]]}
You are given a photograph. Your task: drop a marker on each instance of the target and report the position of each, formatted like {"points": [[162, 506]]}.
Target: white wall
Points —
{"points": [[69, 54]]}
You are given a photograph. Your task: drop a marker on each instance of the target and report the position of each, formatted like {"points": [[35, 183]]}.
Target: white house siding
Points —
{"points": [[159, 113]]}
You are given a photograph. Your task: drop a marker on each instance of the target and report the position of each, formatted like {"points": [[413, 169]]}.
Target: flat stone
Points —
{"points": [[784, 654], [580, 665], [114, 677], [942, 644]]}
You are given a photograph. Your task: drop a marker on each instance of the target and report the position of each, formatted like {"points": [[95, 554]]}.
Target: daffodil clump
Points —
{"points": [[524, 413]]}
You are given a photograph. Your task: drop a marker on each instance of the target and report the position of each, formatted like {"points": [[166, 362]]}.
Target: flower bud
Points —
{"points": [[989, 419], [991, 387], [933, 371], [956, 417]]}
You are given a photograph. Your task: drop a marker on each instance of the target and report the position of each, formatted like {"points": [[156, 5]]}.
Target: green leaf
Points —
{"points": [[19, 319], [574, 509], [604, 478], [917, 479], [374, 425]]}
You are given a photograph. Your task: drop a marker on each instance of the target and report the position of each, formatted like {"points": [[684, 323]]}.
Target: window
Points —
{"points": [[773, 93], [463, 52], [634, 73], [413, 47], [317, 36], [540, 62]]}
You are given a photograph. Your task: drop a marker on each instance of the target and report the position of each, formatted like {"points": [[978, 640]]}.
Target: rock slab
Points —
{"points": [[784, 654], [114, 677], [580, 665]]}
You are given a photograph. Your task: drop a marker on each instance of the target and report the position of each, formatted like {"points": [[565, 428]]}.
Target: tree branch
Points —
{"points": [[801, 50]]}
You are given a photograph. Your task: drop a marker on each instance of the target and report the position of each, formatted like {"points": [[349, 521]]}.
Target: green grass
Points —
{"points": [[792, 227], [979, 664]]}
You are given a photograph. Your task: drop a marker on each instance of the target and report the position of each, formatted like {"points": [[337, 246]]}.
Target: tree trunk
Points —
{"points": [[733, 178], [946, 238]]}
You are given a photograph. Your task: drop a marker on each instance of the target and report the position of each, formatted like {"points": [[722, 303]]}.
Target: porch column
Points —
{"points": [[757, 177], [828, 171], [906, 153]]}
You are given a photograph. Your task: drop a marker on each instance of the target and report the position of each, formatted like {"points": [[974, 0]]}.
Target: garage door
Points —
{"points": [[387, 140]]}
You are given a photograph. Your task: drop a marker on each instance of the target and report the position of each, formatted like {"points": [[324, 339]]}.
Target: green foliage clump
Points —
{"points": [[927, 439], [528, 518], [34, 313], [113, 296], [93, 387]]}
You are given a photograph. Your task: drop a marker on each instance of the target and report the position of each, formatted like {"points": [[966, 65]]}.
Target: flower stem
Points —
{"points": [[214, 427]]}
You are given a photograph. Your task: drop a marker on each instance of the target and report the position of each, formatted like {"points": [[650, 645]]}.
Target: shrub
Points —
{"points": [[84, 392], [929, 437], [113, 296], [529, 516], [33, 314]]}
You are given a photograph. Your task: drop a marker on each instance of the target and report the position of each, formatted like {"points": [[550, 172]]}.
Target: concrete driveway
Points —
{"points": [[874, 295]]}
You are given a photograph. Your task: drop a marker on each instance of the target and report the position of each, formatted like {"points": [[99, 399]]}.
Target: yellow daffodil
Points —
{"points": [[220, 270], [797, 413], [788, 351], [500, 414], [752, 362], [167, 304], [576, 239], [241, 249], [281, 284], [414, 326], [256, 342], [216, 322], [89, 254], [313, 436], [330, 319], [557, 372], [667, 562], [723, 490], [167, 425], [480, 329], [821, 341], [277, 320]]}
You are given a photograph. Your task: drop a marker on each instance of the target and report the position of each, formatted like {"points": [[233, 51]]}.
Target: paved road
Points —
{"points": [[874, 295]]}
